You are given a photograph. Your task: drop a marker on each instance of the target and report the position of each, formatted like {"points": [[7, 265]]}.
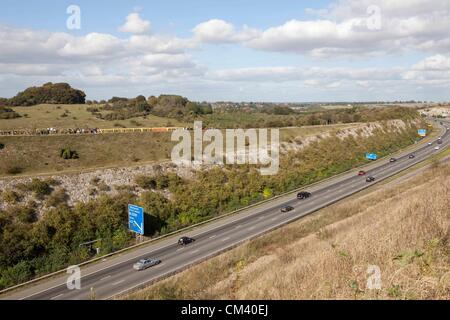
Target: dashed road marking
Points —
{"points": [[118, 282]]}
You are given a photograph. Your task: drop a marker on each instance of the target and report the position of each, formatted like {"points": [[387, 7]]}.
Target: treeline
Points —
{"points": [[271, 118], [31, 246], [171, 106], [57, 93]]}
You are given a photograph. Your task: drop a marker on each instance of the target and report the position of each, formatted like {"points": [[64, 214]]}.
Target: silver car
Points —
{"points": [[145, 263]]}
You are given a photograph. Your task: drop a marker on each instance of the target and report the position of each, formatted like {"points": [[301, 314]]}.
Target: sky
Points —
{"points": [[246, 50]]}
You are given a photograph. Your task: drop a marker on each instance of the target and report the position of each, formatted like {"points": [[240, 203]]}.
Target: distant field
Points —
{"points": [[40, 154], [56, 116]]}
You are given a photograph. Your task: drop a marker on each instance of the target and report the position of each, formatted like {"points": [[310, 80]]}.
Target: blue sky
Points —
{"points": [[231, 50]]}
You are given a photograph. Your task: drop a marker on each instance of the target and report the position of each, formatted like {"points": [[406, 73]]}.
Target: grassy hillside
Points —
{"points": [[75, 116], [403, 229], [40, 154]]}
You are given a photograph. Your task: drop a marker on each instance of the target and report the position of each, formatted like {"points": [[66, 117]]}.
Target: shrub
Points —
{"points": [[145, 182], [67, 153], [57, 198], [10, 167], [40, 188], [10, 196], [2, 146]]}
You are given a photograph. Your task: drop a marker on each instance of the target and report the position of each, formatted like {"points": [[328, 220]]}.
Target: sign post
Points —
{"points": [[371, 156], [136, 219], [422, 132]]}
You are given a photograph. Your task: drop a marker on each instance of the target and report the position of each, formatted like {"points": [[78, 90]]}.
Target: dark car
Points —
{"points": [[287, 209], [303, 195], [439, 141], [411, 156], [370, 179], [392, 160], [361, 173], [185, 241]]}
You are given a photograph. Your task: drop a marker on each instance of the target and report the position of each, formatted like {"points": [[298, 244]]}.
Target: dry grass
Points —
{"points": [[40, 154], [47, 115], [402, 228]]}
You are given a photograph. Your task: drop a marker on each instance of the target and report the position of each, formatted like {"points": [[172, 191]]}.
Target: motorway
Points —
{"points": [[115, 275]]}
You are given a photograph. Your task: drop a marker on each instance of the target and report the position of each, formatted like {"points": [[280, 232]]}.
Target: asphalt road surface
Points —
{"points": [[115, 275]]}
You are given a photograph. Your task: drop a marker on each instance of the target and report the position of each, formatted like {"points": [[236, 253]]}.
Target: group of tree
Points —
{"points": [[51, 93]]}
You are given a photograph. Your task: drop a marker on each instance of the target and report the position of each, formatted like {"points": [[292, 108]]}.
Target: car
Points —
{"points": [[392, 160], [439, 141], [370, 179], [411, 156], [429, 143], [361, 173], [437, 148], [185, 241], [303, 195], [287, 209], [145, 263]]}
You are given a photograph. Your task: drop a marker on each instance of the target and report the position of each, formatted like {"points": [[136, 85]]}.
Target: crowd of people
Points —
{"points": [[47, 131]]}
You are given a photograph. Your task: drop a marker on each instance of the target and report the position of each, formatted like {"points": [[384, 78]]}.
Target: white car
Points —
{"points": [[145, 263], [436, 148]]}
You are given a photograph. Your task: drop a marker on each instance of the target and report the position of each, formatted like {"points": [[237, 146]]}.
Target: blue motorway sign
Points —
{"points": [[136, 219], [422, 132], [371, 156]]}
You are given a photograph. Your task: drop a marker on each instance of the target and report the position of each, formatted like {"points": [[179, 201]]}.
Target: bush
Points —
{"points": [[67, 153], [7, 113], [40, 188], [145, 182], [9, 167], [10, 196], [56, 198], [2, 146]]}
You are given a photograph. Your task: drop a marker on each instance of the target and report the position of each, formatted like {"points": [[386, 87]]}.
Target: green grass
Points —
{"points": [[46, 115]]}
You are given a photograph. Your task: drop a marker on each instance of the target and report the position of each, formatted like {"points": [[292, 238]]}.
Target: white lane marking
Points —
{"points": [[118, 282], [213, 236], [275, 218], [192, 252], [225, 239], [180, 249], [251, 228], [238, 226], [104, 278], [59, 295]]}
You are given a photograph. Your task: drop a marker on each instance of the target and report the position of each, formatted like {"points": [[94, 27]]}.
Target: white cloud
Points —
{"points": [[135, 24], [92, 45], [347, 28], [219, 31]]}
